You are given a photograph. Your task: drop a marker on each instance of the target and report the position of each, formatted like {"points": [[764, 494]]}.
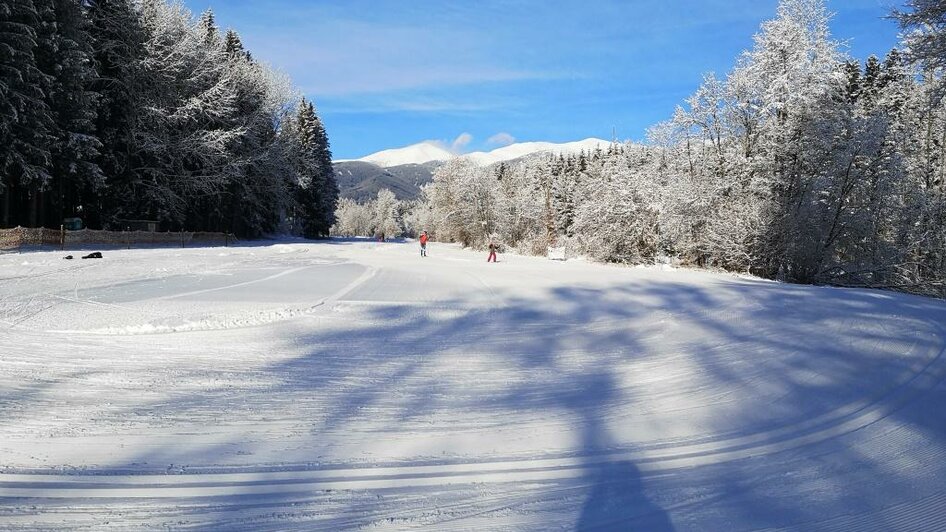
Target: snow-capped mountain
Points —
{"points": [[428, 152], [425, 152]]}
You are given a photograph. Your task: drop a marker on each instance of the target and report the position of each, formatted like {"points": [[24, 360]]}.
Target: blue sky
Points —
{"points": [[389, 73]]}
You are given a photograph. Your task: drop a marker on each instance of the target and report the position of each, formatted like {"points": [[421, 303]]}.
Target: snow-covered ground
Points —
{"points": [[355, 385]]}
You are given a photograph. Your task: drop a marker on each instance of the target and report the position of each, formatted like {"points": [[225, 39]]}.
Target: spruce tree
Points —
{"points": [[872, 82], [257, 190], [65, 55], [853, 87], [183, 131], [234, 46], [317, 195], [26, 122], [118, 42], [925, 21], [329, 187], [209, 29]]}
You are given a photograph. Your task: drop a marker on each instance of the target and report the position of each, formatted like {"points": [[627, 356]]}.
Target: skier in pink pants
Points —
{"points": [[492, 252]]}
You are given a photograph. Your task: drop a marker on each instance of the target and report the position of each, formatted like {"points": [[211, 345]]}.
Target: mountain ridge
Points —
{"points": [[405, 171], [429, 152]]}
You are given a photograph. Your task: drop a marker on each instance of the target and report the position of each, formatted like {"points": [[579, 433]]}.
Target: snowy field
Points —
{"points": [[354, 385]]}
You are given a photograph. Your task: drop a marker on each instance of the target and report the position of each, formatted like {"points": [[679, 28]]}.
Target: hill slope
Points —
{"points": [[361, 181]]}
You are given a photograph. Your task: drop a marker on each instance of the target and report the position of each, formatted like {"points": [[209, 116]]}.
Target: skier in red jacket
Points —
{"points": [[423, 244]]}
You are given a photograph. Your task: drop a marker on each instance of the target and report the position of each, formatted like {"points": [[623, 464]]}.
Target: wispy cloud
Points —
{"points": [[501, 139], [460, 143], [342, 57], [400, 102]]}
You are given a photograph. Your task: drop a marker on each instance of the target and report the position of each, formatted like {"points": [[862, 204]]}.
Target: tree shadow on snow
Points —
{"points": [[616, 501], [577, 355]]}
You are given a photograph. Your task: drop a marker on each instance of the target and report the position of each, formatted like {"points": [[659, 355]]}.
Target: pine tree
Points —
{"points": [[209, 29], [327, 181], [873, 82], [502, 170], [854, 86], [118, 43], [925, 25], [564, 195], [892, 85], [65, 55], [27, 125], [234, 46], [257, 192], [184, 133], [318, 190]]}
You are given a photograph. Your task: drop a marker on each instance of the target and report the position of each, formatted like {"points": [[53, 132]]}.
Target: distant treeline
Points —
{"points": [[115, 110]]}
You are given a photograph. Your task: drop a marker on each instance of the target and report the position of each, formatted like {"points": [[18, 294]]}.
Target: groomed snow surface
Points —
{"points": [[355, 385]]}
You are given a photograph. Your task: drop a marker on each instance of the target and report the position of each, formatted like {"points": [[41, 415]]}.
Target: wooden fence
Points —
{"points": [[17, 238]]}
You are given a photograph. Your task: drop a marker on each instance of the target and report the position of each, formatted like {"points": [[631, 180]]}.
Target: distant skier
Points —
{"points": [[492, 252], [423, 244]]}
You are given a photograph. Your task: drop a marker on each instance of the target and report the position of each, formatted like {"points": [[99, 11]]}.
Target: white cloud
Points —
{"points": [[346, 58], [461, 142], [397, 102], [501, 139]]}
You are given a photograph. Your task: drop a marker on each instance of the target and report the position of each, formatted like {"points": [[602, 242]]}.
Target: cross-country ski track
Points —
{"points": [[355, 385]]}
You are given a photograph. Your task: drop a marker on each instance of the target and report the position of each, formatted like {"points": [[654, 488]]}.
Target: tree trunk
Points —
{"points": [[34, 206], [6, 207]]}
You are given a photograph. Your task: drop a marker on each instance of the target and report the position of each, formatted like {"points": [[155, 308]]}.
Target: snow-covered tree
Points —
{"points": [[27, 124], [383, 215], [463, 201], [925, 24], [386, 214], [354, 219], [118, 44], [130, 109], [317, 191], [66, 55]]}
